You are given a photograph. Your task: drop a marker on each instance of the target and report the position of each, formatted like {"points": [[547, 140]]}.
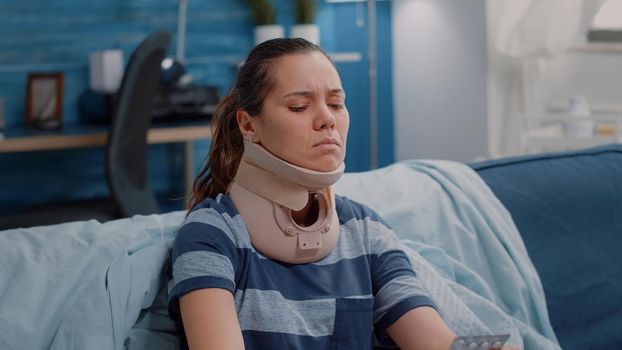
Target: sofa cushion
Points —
{"points": [[568, 208]]}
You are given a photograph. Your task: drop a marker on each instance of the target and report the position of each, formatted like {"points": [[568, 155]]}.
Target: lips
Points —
{"points": [[328, 141]]}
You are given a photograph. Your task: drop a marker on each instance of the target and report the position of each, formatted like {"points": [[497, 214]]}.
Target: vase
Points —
{"points": [[310, 32], [268, 31]]}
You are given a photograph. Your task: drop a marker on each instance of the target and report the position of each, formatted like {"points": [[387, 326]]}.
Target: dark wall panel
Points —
{"points": [[46, 36]]}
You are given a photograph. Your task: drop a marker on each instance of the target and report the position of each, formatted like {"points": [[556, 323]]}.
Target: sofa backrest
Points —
{"points": [[568, 209]]}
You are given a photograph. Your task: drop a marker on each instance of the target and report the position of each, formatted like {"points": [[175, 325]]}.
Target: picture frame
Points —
{"points": [[44, 100]]}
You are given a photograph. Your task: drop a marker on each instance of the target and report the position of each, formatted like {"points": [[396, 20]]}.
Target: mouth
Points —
{"points": [[328, 142]]}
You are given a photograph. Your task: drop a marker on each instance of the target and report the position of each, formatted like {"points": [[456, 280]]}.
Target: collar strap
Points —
{"points": [[311, 180]]}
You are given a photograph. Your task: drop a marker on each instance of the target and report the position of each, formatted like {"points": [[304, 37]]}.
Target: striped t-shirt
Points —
{"points": [[340, 302]]}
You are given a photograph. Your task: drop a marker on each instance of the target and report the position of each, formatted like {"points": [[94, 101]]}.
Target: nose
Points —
{"points": [[325, 119]]}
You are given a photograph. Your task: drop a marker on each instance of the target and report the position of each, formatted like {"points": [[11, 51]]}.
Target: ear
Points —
{"points": [[245, 122]]}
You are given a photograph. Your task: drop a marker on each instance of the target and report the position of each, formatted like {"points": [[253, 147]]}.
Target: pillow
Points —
{"points": [[568, 209]]}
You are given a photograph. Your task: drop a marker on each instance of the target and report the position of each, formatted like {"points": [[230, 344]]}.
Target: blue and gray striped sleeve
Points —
{"points": [[204, 255], [396, 287]]}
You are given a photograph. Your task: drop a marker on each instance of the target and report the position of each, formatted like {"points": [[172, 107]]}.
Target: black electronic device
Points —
{"points": [[172, 103], [185, 102]]}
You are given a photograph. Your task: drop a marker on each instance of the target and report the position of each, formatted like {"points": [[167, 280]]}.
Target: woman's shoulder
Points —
{"points": [[359, 222], [349, 210], [221, 204], [210, 219]]}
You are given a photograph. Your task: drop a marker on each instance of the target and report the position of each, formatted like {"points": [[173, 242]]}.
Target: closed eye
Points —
{"points": [[336, 106], [297, 109]]}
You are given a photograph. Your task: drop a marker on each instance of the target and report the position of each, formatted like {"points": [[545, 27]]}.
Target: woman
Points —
{"points": [[261, 262]]}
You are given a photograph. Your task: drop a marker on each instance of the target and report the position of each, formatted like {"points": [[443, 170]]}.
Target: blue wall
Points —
{"points": [[43, 35]]}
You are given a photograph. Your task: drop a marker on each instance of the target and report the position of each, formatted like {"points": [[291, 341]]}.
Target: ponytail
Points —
{"points": [[225, 153]]}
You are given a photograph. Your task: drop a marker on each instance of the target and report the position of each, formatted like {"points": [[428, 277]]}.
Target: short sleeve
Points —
{"points": [[204, 256], [397, 289]]}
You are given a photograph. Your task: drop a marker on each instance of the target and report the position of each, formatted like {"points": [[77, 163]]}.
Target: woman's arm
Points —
{"points": [[210, 320], [421, 328]]}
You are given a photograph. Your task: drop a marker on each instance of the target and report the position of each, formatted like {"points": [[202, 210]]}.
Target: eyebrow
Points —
{"points": [[308, 93]]}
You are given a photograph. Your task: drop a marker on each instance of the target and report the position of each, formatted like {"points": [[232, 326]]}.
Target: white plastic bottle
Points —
{"points": [[578, 106]]}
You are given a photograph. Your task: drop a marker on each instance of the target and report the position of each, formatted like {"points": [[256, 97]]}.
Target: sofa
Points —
{"points": [[568, 209], [525, 244]]}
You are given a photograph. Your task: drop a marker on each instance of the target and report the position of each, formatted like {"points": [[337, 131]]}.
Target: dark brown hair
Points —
{"points": [[252, 86]]}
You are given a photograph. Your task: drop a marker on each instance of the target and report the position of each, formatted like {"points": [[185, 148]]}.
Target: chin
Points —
{"points": [[325, 165]]}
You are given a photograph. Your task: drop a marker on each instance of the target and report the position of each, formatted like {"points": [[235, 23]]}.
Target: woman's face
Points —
{"points": [[304, 119]]}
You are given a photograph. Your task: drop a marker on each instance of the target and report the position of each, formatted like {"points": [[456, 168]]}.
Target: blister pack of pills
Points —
{"points": [[479, 342]]}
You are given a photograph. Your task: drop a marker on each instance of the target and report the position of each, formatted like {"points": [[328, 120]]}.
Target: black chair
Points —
{"points": [[126, 149]]}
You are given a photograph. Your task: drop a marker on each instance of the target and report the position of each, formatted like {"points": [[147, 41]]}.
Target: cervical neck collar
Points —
{"points": [[266, 190]]}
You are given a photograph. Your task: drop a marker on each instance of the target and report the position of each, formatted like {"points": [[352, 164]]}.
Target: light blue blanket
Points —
{"points": [[80, 285], [444, 212], [100, 286]]}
